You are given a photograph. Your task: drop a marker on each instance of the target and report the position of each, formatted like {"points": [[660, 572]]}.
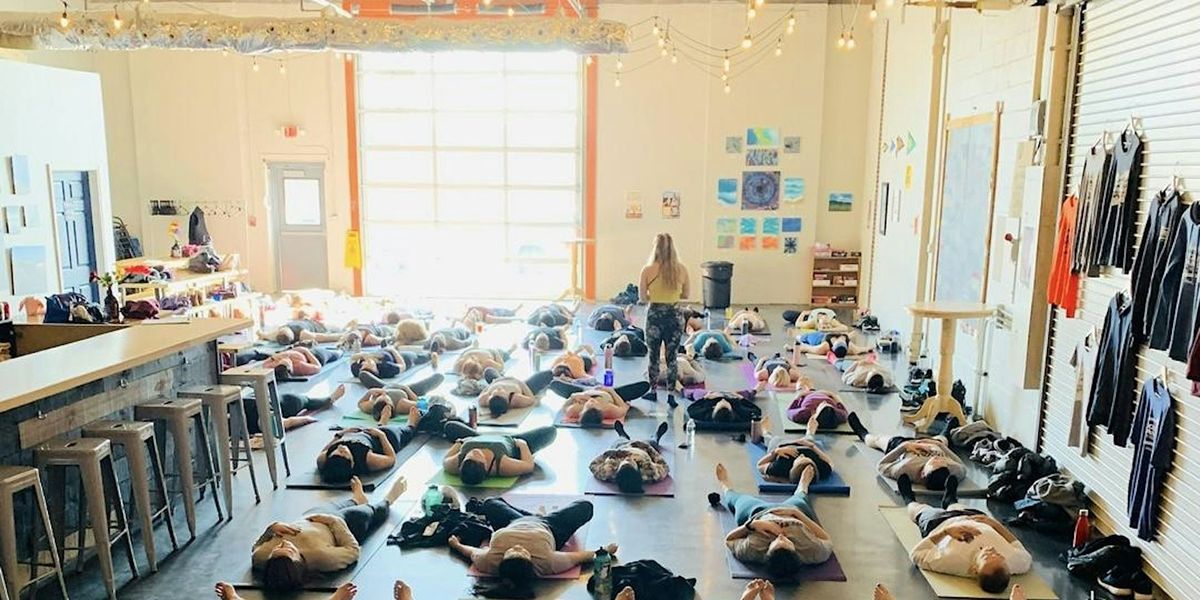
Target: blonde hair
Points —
{"points": [[780, 377], [663, 255]]}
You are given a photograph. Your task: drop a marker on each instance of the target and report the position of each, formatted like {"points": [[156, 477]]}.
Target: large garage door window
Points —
{"points": [[470, 173]]}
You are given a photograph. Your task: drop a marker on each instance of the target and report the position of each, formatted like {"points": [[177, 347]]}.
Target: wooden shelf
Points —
{"points": [[835, 305], [842, 287], [828, 269]]}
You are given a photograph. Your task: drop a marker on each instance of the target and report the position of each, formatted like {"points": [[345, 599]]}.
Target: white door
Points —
{"points": [[297, 193]]}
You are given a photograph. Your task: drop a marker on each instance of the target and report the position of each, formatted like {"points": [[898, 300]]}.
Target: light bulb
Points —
{"points": [[747, 41], [791, 21], [874, 14], [620, 64], [726, 63], [588, 60], [779, 48], [724, 77], [674, 58], [117, 23], [255, 65], [64, 20], [663, 52], [282, 68], [656, 29], [850, 43], [751, 13], [662, 42], [511, 11], [890, 2], [841, 43], [617, 82], [727, 88], [791, 30], [487, 2], [759, 2]]}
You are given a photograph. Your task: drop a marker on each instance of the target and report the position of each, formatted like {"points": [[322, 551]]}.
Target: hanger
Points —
{"points": [[1165, 376]]}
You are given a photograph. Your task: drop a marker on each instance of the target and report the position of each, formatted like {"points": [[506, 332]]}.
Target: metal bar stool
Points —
{"points": [[13, 480], [179, 415], [136, 438], [270, 415], [102, 498], [218, 399]]}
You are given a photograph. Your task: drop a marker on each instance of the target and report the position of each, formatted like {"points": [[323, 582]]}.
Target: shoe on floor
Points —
{"points": [[1098, 563], [1118, 581], [1143, 589]]}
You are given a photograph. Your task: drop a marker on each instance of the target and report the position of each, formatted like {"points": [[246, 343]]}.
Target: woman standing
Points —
{"points": [[663, 283]]}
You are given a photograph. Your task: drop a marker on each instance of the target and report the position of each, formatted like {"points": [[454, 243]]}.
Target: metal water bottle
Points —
{"points": [[473, 416], [756, 432]]}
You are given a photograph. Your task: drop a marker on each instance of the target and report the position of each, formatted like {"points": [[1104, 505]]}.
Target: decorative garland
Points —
{"points": [[35, 31]]}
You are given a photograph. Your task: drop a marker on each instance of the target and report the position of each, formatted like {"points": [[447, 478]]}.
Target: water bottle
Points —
{"points": [[602, 575], [608, 378], [690, 429], [431, 498], [473, 416], [756, 431], [1083, 529], [608, 356]]}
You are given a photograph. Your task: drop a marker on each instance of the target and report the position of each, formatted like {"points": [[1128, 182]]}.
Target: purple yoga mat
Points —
{"points": [[830, 570], [664, 488], [531, 503]]}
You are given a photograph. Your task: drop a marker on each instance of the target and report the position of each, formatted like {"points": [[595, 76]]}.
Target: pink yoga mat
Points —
{"points": [[664, 488], [531, 503], [560, 420]]}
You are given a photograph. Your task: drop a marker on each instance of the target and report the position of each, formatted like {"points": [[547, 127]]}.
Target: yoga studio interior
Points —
{"points": [[599, 299]]}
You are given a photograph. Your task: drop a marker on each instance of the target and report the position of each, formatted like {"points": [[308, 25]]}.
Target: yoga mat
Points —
{"points": [[512, 418], [533, 502], [966, 488], [311, 480], [495, 483], [560, 420], [661, 489], [950, 586], [791, 427], [830, 570], [833, 485], [356, 418]]}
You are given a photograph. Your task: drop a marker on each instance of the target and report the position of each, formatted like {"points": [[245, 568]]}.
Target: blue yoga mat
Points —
{"points": [[833, 485]]}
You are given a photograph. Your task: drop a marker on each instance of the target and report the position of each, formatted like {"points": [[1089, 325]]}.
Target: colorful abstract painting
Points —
{"points": [[727, 226], [767, 137], [770, 243], [762, 157], [747, 242], [791, 224], [760, 190], [727, 192], [749, 226], [793, 189], [790, 245], [770, 226], [841, 201], [725, 242]]}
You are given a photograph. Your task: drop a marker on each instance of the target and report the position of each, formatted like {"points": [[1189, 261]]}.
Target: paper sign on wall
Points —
{"points": [[633, 205], [670, 205], [908, 174], [353, 250]]}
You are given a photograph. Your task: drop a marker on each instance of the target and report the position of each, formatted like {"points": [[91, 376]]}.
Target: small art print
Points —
{"points": [[841, 202], [770, 243], [760, 190], [727, 226], [748, 243], [762, 157], [670, 205], [789, 245], [725, 242], [727, 192], [733, 145], [791, 225], [767, 137], [770, 226], [791, 144], [748, 226]]}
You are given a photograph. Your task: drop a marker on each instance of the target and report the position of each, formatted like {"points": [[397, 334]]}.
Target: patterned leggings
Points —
{"points": [[664, 328]]}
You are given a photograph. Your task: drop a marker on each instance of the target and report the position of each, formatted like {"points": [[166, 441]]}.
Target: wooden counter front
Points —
{"points": [[27, 379]]}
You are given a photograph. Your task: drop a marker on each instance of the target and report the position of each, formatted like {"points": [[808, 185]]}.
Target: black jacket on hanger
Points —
{"points": [[1111, 402], [1114, 245], [1095, 188], [1175, 316], [1162, 218], [198, 229]]}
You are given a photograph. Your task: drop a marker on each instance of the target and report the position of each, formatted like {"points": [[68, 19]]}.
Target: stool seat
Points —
{"points": [[125, 432], [205, 392], [168, 408], [270, 414], [15, 576], [224, 403], [13, 478], [62, 451]]}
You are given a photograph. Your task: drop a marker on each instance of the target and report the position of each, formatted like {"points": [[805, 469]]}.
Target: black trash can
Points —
{"points": [[718, 277]]}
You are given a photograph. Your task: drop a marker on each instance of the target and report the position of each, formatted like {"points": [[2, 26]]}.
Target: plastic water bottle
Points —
{"points": [[431, 498], [690, 429], [602, 575], [608, 378]]}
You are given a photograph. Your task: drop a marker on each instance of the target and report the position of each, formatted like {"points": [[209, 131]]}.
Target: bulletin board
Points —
{"points": [[965, 208]]}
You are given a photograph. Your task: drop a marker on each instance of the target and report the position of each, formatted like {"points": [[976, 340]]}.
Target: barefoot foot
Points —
{"points": [[356, 491], [882, 593], [291, 423], [398, 488], [401, 591], [346, 591], [1018, 593], [225, 591], [338, 392]]}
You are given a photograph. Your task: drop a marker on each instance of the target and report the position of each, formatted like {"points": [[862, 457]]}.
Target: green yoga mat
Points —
{"points": [[358, 417], [495, 483]]}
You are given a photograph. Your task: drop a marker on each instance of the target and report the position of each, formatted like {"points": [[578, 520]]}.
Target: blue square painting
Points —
{"points": [[770, 226], [749, 226], [791, 224], [727, 192]]}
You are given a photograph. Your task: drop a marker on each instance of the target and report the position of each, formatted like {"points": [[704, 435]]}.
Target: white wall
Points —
{"points": [[54, 117], [665, 129]]}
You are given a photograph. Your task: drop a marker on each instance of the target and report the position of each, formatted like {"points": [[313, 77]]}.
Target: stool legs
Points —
{"points": [[8, 544], [93, 483], [266, 424], [160, 480], [187, 474], [220, 419], [141, 499], [277, 410], [243, 441], [201, 425], [112, 490]]}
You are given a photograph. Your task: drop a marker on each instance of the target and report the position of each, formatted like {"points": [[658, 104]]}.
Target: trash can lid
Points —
{"points": [[716, 263]]}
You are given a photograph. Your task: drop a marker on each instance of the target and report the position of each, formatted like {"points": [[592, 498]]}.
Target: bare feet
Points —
{"points": [[401, 591], [882, 593], [807, 475], [225, 591], [356, 491], [294, 422], [1018, 593], [414, 417], [398, 488], [338, 392], [722, 476], [385, 414], [767, 592], [433, 360], [752, 590], [626, 594], [346, 591]]}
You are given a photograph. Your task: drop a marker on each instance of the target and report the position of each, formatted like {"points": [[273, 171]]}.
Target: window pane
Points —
{"points": [[398, 204], [543, 206], [541, 168], [395, 61], [470, 129], [479, 92], [542, 62], [301, 202], [543, 92], [548, 130], [397, 129], [474, 205], [541, 243], [395, 91], [470, 167], [467, 61], [397, 167]]}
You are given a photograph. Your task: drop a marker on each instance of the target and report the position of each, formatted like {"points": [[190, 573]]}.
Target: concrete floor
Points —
{"points": [[682, 533]]}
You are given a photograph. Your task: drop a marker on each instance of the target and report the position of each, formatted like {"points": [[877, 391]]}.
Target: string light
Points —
{"points": [[751, 11], [674, 57], [588, 60], [663, 52], [662, 41], [850, 42], [727, 88], [889, 3], [64, 21], [791, 25], [841, 43], [759, 2], [726, 63], [656, 29], [617, 81], [487, 2], [282, 68], [620, 63], [117, 23], [511, 11], [747, 41], [779, 47], [874, 14], [254, 66], [724, 77]]}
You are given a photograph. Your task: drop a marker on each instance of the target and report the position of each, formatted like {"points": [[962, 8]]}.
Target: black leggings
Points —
{"points": [[372, 382], [664, 329], [361, 519], [791, 315], [563, 523], [627, 392], [290, 405]]}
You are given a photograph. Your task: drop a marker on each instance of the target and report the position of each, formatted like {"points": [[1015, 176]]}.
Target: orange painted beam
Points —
{"points": [[590, 114], [352, 159]]}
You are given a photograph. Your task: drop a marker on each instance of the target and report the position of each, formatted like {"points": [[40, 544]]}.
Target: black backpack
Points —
{"points": [[471, 529], [649, 580]]}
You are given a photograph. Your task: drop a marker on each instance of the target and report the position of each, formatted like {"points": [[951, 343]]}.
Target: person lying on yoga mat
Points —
{"points": [[327, 540], [396, 399], [551, 315], [294, 409], [346, 591], [525, 546], [928, 461], [882, 593], [489, 316], [782, 537], [746, 321], [712, 344], [786, 460], [817, 319], [608, 402], [546, 338], [630, 341], [839, 344], [507, 393], [964, 542], [574, 364], [693, 320], [449, 339], [362, 450], [869, 374], [689, 372], [610, 317], [297, 361], [474, 457], [298, 330], [777, 371], [725, 407], [818, 407], [371, 368], [477, 362], [630, 463], [409, 332]]}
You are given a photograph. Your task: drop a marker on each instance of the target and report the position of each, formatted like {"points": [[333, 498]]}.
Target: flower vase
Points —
{"points": [[112, 307]]}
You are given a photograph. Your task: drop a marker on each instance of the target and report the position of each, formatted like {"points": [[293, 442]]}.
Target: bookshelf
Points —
{"points": [[836, 277]]}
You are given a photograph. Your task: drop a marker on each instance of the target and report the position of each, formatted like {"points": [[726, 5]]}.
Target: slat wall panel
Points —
{"points": [[1136, 58]]}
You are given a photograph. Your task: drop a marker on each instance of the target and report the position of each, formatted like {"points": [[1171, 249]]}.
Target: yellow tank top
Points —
{"points": [[659, 293]]}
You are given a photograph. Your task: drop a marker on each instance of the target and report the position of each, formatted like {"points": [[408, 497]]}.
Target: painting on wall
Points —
{"points": [[791, 144], [670, 205], [791, 225], [748, 226], [841, 201], [793, 189], [18, 174], [633, 205], [733, 145], [725, 242], [790, 245], [767, 137], [28, 266], [762, 157], [770, 243], [760, 190], [748, 243], [727, 226], [727, 192], [770, 226]]}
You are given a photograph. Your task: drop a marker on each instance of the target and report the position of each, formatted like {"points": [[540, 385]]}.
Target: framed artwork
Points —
{"points": [[18, 174], [760, 190], [793, 189], [762, 157], [841, 201], [766, 137], [733, 145], [727, 192]]}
